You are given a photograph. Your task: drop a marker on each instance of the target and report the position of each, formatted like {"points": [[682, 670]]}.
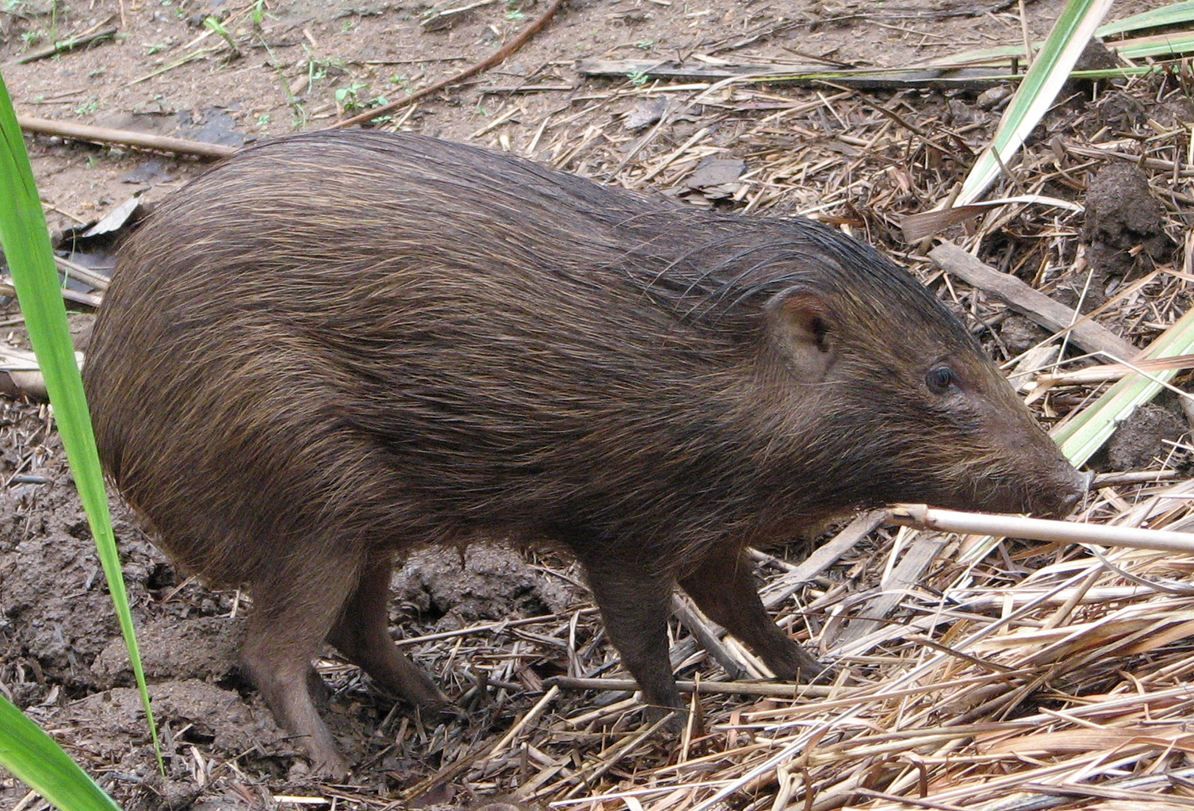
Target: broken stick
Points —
{"points": [[496, 58], [1035, 306], [105, 135]]}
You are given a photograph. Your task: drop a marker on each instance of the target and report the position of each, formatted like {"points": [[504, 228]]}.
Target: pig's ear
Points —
{"points": [[803, 328]]}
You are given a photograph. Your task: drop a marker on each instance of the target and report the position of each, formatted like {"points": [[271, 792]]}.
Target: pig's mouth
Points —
{"points": [[1052, 496], [1046, 496]]}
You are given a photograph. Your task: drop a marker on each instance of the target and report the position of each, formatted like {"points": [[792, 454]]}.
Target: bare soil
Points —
{"points": [[308, 63]]}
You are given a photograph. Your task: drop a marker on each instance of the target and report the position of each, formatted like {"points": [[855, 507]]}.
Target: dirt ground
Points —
{"points": [[308, 63]]}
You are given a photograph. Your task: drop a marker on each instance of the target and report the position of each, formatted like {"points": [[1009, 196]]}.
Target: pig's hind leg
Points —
{"points": [[294, 609], [362, 634], [724, 588]]}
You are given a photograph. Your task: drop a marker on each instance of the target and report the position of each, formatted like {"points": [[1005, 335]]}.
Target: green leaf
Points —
{"points": [[26, 244], [1082, 436], [1175, 14], [34, 758], [1172, 44], [1036, 93]]}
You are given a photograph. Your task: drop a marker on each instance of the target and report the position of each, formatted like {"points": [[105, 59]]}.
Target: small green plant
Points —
{"points": [[320, 69], [347, 26], [354, 98], [348, 98], [515, 15], [257, 15], [263, 120], [398, 80], [87, 108], [638, 78], [31, 38], [379, 101], [645, 44], [218, 28], [156, 48]]}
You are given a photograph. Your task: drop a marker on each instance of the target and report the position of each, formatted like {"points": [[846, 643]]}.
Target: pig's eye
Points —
{"points": [[940, 378]]}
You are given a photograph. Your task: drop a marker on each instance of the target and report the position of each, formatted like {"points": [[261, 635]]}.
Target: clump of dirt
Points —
{"points": [[1121, 112], [479, 583], [200, 648], [187, 710], [1144, 437], [53, 595], [1121, 212], [1019, 334], [1096, 56], [190, 713], [1174, 111], [1124, 228]]}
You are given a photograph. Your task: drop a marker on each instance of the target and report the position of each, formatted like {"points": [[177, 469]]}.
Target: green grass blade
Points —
{"points": [[1172, 44], [1175, 14], [1081, 437], [1041, 84], [31, 755], [26, 244], [1178, 66]]}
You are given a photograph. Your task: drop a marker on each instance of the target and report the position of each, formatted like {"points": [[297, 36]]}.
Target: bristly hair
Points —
{"points": [[723, 271], [706, 268]]}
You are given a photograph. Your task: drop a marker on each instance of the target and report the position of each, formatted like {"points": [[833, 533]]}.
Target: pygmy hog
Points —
{"points": [[335, 347]]}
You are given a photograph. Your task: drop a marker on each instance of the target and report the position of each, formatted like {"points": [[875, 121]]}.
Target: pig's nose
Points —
{"points": [[1080, 485]]}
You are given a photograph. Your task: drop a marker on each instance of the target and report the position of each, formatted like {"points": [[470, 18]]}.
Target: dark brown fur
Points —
{"points": [[335, 347]]}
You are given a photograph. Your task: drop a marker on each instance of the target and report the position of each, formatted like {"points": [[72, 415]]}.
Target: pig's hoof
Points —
{"points": [[437, 702], [816, 673], [330, 766], [677, 719], [441, 711], [790, 662]]}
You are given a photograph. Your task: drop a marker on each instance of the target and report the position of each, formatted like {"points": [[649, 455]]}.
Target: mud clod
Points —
{"points": [[1144, 438], [1124, 229], [485, 583], [1019, 334], [1122, 213], [202, 648], [187, 711], [52, 589]]}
